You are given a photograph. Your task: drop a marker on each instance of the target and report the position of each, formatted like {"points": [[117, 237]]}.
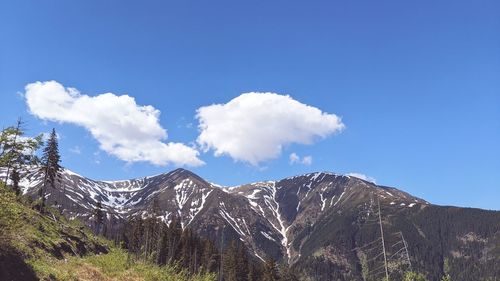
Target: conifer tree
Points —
{"points": [[137, 239], [182, 248], [124, 242], [175, 231], [163, 250], [152, 230], [155, 207], [252, 274], [241, 262], [99, 217], [209, 257], [185, 251], [230, 266], [286, 273], [51, 168], [270, 271], [15, 178]]}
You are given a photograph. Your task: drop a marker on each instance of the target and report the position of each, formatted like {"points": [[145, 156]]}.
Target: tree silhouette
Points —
{"points": [[50, 166]]}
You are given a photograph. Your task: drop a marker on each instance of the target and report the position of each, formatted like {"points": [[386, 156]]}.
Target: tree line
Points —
{"points": [[166, 243]]}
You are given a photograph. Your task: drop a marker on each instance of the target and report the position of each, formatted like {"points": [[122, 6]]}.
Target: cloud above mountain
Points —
{"points": [[294, 158], [124, 129], [362, 176], [255, 127]]}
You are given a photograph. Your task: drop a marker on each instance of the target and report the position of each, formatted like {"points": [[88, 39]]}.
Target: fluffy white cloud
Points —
{"points": [[122, 127], [362, 176], [295, 159], [307, 160], [254, 127]]}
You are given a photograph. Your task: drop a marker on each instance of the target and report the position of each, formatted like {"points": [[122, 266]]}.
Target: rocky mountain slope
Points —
{"points": [[318, 223]]}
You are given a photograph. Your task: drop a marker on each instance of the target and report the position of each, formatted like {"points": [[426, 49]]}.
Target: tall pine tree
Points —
{"points": [[50, 166], [99, 217]]}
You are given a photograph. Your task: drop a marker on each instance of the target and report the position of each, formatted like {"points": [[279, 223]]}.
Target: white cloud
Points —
{"points": [[123, 128], [362, 176], [307, 160], [295, 159], [76, 150], [255, 127]]}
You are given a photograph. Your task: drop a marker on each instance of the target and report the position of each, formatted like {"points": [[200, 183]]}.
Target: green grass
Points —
{"points": [[110, 267], [36, 235]]}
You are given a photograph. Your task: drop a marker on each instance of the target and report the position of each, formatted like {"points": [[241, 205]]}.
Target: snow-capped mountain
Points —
{"points": [[317, 218], [265, 215]]}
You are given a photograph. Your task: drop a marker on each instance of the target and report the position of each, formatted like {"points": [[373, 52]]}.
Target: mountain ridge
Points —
{"points": [[290, 220]]}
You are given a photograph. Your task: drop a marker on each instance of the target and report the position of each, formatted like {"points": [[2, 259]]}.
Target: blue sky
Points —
{"points": [[416, 84]]}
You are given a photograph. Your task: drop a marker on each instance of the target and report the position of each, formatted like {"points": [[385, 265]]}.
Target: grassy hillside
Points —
{"points": [[114, 265], [35, 246]]}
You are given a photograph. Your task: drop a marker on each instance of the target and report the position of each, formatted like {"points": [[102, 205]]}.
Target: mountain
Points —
{"points": [[323, 225]]}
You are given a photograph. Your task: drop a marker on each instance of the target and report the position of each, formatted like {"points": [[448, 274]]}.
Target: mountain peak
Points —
{"points": [[314, 176], [185, 174], [180, 170]]}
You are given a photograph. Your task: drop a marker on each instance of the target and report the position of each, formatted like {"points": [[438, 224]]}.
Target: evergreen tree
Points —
{"points": [[152, 230], [50, 165], [99, 217], [137, 236], [174, 235], [124, 242], [15, 178], [209, 258], [252, 274], [230, 266], [241, 262], [155, 207], [287, 273], [184, 248], [270, 271], [163, 250]]}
